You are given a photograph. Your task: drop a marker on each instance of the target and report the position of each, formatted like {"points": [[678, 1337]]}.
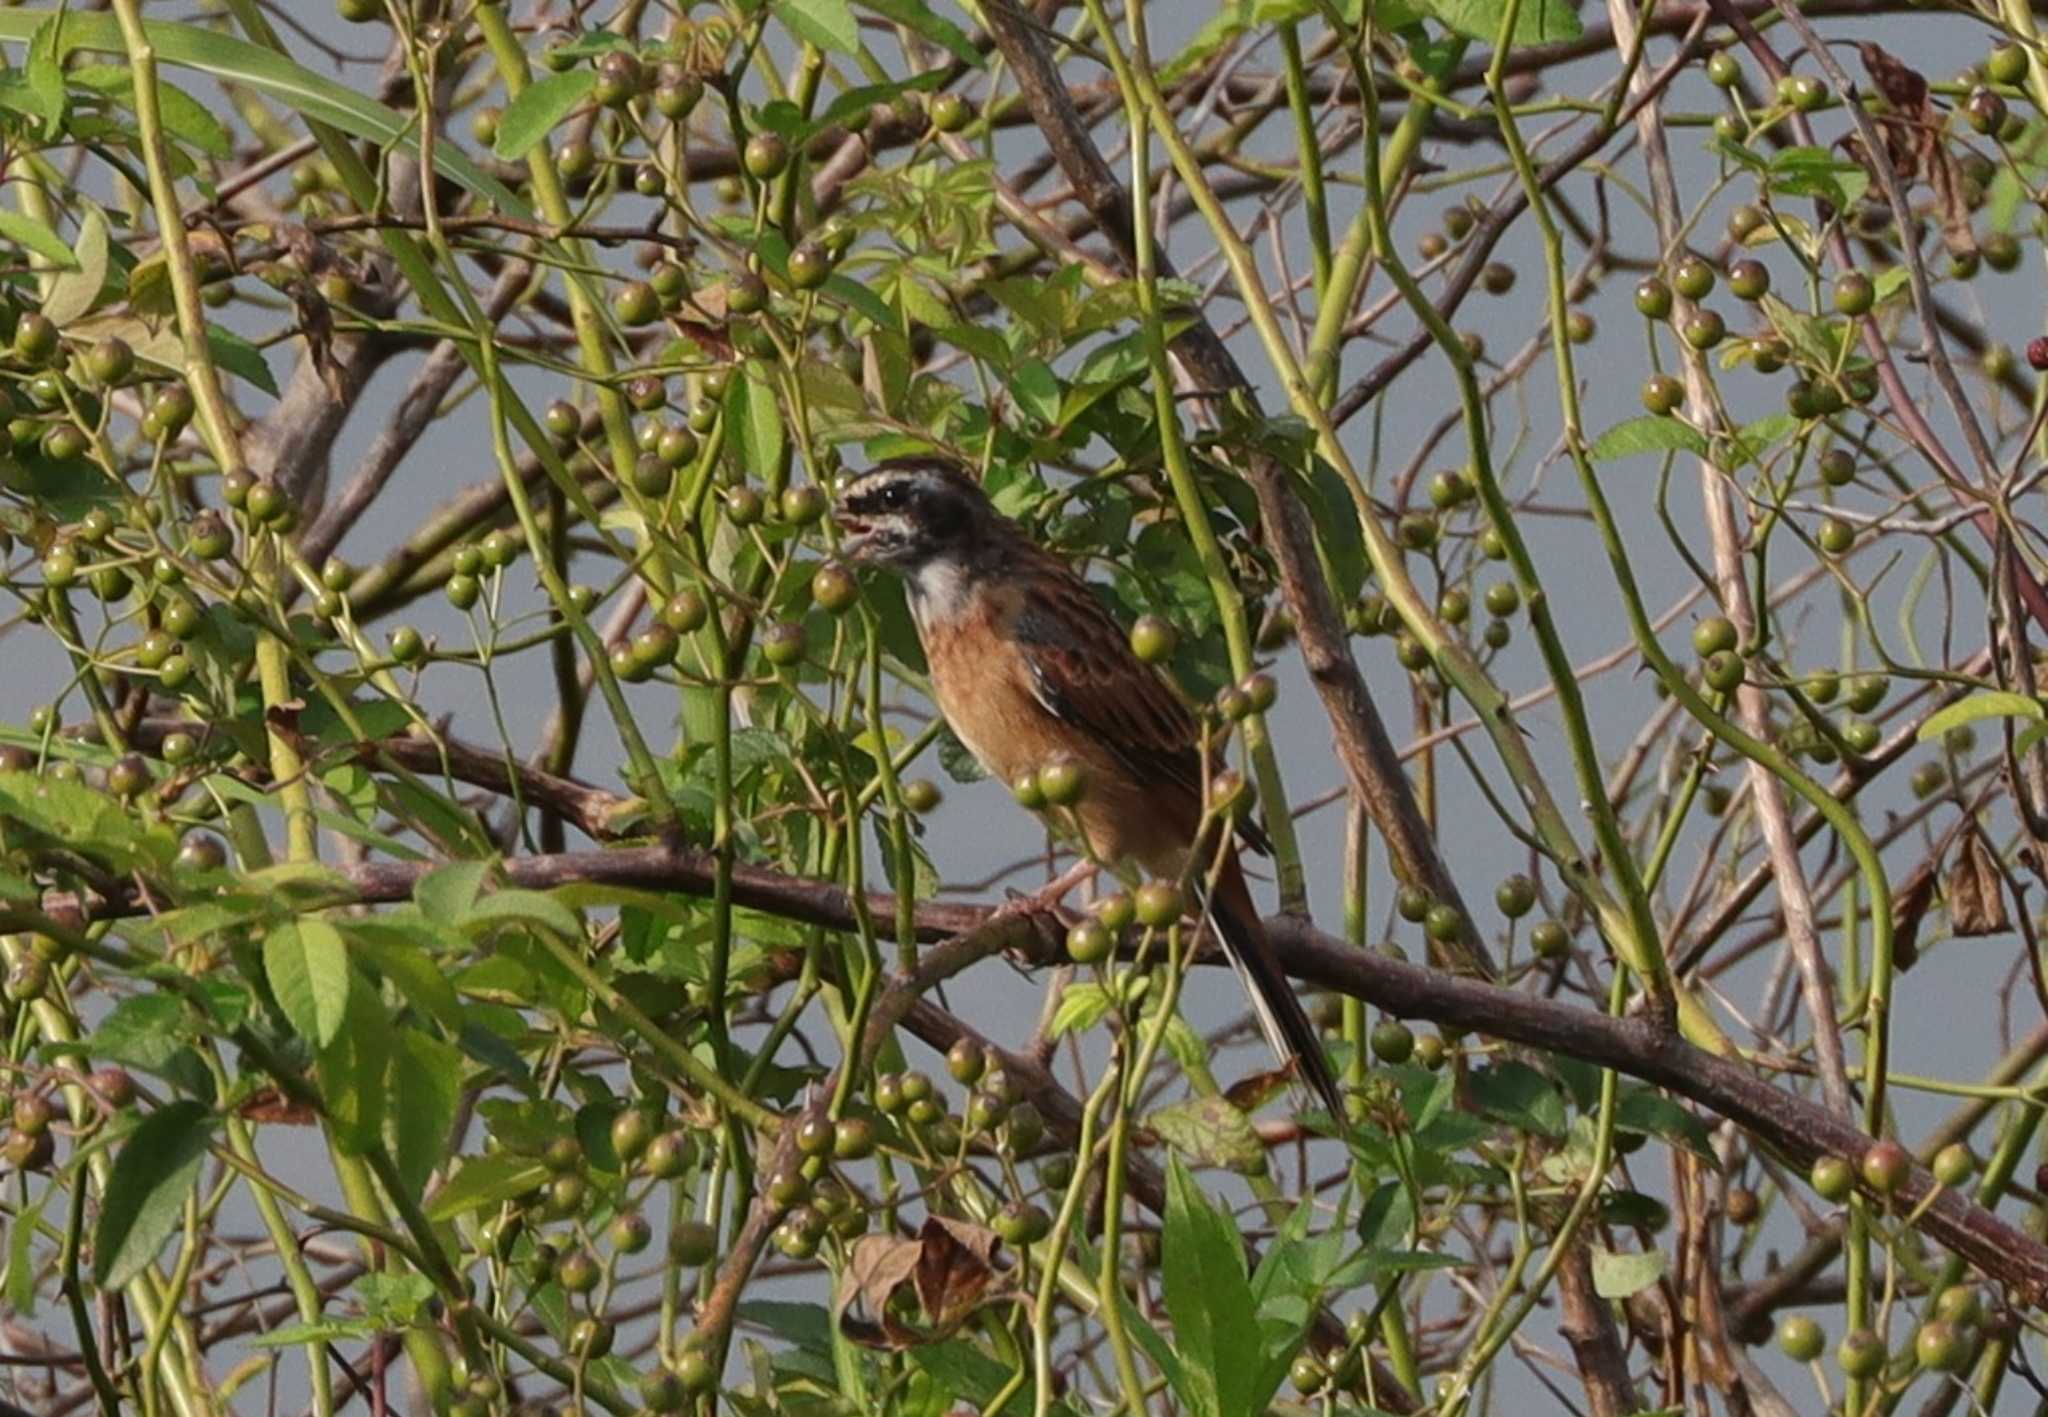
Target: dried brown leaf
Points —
{"points": [[954, 1269], [1976, 892], [877, 1266], [1912, 132], [1909, 910]]}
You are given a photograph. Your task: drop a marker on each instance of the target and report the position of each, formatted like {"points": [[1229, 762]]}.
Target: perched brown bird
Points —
{"points": [[1030, 669]]}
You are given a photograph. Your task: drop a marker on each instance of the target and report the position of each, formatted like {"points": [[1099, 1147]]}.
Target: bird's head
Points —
{"points": [[910, 512]]}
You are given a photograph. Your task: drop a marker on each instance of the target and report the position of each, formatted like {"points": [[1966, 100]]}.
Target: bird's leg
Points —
{"points": [[1056, 890], [1049, 896]]}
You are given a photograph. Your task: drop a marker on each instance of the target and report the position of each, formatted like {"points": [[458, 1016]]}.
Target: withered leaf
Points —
{"points": [[1912, 132], [1909, 910], [1248, 1094], [1976, 892], [878, 1264], [950, 1266], [954, 1268], [270, 1105]]}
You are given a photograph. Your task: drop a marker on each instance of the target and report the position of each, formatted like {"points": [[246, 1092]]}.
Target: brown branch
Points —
{"points": [[1798, 1130]]}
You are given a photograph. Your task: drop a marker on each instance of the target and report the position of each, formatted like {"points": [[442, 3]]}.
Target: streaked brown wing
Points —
{"points": [[1084, 673]]}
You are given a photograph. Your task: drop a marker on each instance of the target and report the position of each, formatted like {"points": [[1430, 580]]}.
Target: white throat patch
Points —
{"points": [[938, 590]]}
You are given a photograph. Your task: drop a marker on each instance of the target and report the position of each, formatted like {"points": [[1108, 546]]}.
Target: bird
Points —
{"points": [[1029, 668]]}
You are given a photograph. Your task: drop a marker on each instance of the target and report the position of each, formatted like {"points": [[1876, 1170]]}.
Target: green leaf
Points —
{"points": [[1536, 22], [445, 894], [89, 822], [46, 73], [1642, 1109], [755, 423], [75, 292], [1081, 1008], [21, 1260], [23, 230], [517, 907], [144, 1204], [1228, 1370], [1651, 433], [320, 1331], [1381, 1262], [1517, 1094], [486, 1180], [354, 1072], [307, 965], [184, 117], [235, 61], [529, 118], [1988, 703], [1814, 342], [1616, 1276], [829, 24], [919, 17], [1210, 1131], [427, 1073], [970, 1374], [1749, 443], [1036, 389], [805, 1326], [143, 1031], [397, 953], [1815, 172], [240, 358]]}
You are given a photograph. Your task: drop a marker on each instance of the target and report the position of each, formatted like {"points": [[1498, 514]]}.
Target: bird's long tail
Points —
{"points": [[1278, 1009]]}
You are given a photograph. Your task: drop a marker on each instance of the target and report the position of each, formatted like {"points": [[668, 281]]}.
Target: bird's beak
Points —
{"points": [[854, 535]]}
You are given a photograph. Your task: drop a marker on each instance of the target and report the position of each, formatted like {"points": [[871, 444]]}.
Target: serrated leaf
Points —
{"points": [[1617, 1276], [520, 907], [1536, 22], [144, 1203], [529, 118], [20, 1287], [306, 963], [355, 1073], [1815, 172], [397, 954], [1081, 1008], [1229, 1368], [445, 893], [486, 1180], [829, 24], [143, 1031], [1812, 341], [1651, 433], [427, 1073], [89, 822], [1749, 443], [321, 1331], [1640, 1109], [1210, 1131], [1987, 703], [1517, 1094]]}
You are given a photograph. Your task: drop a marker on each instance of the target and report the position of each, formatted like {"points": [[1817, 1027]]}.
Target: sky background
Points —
{"points": [[1948, 1024]]}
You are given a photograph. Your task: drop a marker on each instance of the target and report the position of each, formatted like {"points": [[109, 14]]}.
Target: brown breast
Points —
{"points": [[983, 686]]}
